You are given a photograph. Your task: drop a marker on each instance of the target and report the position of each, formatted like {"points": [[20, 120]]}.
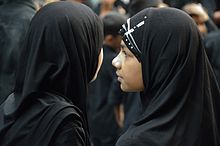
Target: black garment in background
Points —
{"points": [[211, 5], [178, 3], [212, 45], [15, 18], [2, 2], [58, 61], [103, 127], [211, 26], [131, 103], [132, 109], [181, 98]]}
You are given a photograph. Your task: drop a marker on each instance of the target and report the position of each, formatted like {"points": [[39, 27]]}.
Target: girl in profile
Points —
{"points": [[165, 60]]}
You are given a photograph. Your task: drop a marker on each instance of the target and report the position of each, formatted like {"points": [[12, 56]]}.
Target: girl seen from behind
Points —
{"points": [[62, 54]]}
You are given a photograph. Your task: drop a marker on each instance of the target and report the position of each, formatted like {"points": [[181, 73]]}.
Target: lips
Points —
{"points": [[119, 77]]}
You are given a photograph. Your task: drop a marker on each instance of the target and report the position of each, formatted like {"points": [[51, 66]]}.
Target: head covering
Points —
{"points": [[58, 61], [62, 54], [181, 96]]}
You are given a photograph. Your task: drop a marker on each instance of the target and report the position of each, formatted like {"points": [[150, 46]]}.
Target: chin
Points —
{"points": [[126, 89]]}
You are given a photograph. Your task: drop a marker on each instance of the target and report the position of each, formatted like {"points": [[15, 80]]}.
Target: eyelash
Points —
{"points": [[124, 53]]}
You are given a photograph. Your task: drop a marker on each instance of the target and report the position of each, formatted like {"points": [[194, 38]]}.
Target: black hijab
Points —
{"points": [[59, 59], [181, 96]]}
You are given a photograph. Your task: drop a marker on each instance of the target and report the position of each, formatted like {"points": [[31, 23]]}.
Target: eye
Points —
{"points": [[124, 53]]}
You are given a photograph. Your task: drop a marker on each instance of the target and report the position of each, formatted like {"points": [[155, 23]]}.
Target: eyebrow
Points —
{"points": [[123, 46]]}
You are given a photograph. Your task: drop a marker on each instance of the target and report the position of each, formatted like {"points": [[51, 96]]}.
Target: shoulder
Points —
{"points": [[70, 132]]}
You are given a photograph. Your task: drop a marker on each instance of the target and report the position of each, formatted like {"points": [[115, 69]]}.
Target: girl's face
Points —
{"points": [[129, 70]]}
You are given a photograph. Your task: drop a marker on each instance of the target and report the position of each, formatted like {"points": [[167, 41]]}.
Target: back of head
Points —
{"points": [[112, 23], [61, 52]]}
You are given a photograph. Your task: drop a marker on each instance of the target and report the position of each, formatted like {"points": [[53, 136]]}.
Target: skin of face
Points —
{"points": [[129, 70], [99, 65]]}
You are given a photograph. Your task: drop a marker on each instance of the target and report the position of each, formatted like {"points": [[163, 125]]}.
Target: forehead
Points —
{"points": [[123, 43]]}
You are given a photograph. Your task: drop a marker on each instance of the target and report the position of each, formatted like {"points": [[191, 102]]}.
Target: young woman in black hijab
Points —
{"points": [[61, 56], [166, 61]]}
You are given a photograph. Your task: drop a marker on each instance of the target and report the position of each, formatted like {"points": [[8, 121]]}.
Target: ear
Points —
{"points": [[108, 39]]}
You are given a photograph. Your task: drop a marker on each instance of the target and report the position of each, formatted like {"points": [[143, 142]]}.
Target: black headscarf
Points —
{"points": [[59, 60], [181, 97]]}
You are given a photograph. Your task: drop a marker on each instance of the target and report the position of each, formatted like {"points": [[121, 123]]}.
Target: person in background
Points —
{"points": [[179, 91], [15, 18], [136, 6], [61, 56], [105, 119], [201, 17], [213, 8], [104, 7]]}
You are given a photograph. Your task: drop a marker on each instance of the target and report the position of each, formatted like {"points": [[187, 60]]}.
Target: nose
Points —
{"points": [[116, 62]]}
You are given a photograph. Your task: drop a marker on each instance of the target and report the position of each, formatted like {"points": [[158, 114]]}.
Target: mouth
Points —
{"points": [[119, 77]]}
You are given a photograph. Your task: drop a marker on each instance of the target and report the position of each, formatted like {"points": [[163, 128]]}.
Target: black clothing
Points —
{"points": [[15, 18], [211, 26], [181, 96], [2, 2], [132, 109], [131, 104], [103, 127], [211, 6], [58, 61], [212, 45], [179, 3]]}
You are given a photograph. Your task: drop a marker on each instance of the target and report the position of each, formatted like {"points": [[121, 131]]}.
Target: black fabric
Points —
{"points": [[57, 63], [211, 26], [212, 45], [211, 5], [179, 3], [132, 109], [15, 18], [69, 133], [131, 103], [2, 2], [181, 96], [102, 122]]}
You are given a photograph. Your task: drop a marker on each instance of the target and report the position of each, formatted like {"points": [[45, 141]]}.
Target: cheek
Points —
{"points": [[132, 80]]}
